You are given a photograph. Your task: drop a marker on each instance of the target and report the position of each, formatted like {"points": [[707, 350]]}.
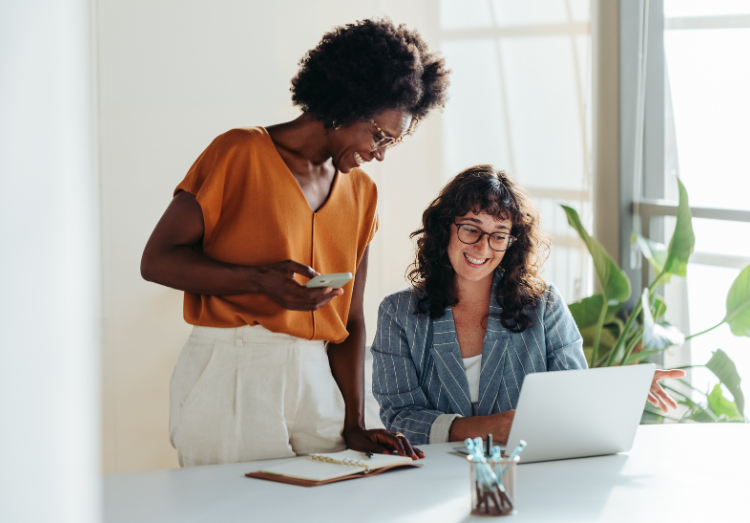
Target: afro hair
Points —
{"points": [[359, 70]]}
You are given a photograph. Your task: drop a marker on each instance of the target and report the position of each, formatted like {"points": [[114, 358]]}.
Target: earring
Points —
{"points": [[336, 126]]}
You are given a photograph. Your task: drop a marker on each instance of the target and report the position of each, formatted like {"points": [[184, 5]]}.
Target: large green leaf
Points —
{"points": [[683, 240], [702, 415], [586, 312], [606, 342], [614, 282], [725, 369], [721, 405], [638, 356], [615, 326], [695, 411], [655, 252], [658, 308], [658, 335], [738, 304]]}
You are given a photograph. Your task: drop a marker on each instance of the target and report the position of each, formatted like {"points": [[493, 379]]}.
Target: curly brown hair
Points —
{"points": [[359, 70], [481, 188]]}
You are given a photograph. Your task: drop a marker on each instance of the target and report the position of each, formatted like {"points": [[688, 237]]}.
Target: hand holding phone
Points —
{"points": [[278, 283]]}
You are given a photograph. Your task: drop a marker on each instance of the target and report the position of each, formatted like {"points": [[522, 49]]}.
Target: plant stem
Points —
{"points": [[703, 332], [656, 283], [621, 340], [632, 345], [696, 389], [626, 340], [599, 327]]}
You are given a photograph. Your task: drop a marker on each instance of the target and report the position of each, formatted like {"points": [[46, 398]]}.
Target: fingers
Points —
{"points": [[368, 444], [331, 294], [652, 398], [382, 441], [410, 451], [300, 298], [393, 441], [299, 268], [658, 396], [398, 443], [668, 374], [663, 396]]}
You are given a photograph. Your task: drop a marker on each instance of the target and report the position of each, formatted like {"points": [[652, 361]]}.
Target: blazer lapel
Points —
{"points": [[449, 365], [494, 357]]}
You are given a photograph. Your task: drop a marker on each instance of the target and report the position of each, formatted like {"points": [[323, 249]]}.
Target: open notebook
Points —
{"points": [[319, 469]]}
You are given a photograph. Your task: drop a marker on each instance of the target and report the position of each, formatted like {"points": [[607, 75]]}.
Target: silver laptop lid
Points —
{"points": [[577, 413]]}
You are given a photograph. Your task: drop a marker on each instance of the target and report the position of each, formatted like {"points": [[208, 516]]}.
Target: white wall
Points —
{"points": [[49, 271], [172, 76]]}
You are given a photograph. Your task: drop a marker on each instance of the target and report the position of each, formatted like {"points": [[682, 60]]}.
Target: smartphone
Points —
{"points": [[335, 281]]}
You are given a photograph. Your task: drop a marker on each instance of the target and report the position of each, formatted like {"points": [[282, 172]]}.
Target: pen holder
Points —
{"points": [[486, 498]]}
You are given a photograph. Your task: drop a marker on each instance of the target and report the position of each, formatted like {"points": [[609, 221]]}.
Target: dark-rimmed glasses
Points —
{"points": [[383, 140], [470, 234]]}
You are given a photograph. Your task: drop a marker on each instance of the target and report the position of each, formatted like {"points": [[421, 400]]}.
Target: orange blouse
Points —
{"points": [[254, 213]]}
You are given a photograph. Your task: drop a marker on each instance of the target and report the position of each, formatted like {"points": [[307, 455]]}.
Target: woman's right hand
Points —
{"points": [[277, 282], [479, 426], [500, 424]]}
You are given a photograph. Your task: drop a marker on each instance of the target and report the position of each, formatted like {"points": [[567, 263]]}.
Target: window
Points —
{"points": [[519, 98], [707, 127]]}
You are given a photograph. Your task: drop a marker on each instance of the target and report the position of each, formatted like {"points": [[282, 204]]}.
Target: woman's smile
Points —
{"points": [[358, 158], [475, 262]]}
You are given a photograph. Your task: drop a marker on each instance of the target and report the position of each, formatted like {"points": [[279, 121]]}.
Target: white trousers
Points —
{"points": [[246, 394]]}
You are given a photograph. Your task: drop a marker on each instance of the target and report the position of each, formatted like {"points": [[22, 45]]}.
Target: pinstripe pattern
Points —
{"points": [[415, 383]]}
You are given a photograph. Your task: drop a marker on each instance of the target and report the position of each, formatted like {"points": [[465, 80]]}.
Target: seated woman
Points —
{"points": [[450, 353]]}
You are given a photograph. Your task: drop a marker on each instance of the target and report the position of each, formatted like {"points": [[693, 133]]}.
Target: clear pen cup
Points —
{"points": [[486, 498]]}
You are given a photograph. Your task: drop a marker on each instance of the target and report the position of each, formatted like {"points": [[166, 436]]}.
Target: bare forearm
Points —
{"points": [[186, 269], [479, 426], [473, 427], [347, 361]]}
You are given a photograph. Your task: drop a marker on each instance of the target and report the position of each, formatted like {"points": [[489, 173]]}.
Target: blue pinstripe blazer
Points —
{"points": [[418, 371]]}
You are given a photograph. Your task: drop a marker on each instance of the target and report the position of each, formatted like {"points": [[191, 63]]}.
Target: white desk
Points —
{"points": [[665, 477]]}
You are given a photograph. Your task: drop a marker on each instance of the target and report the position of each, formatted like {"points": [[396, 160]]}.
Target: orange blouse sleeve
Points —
{"points": [[207, 179]]}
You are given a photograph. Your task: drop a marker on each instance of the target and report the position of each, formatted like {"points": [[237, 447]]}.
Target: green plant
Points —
{"points": [[614, 337]]}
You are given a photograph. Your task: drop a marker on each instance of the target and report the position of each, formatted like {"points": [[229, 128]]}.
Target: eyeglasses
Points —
{"points": [[469, 234], [385, 141]]}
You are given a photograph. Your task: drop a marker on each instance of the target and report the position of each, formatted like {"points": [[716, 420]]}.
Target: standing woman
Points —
{"points": [[272, 368]]}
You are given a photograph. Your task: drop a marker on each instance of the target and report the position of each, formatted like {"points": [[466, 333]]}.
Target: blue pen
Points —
{"points": [[516, 452]]}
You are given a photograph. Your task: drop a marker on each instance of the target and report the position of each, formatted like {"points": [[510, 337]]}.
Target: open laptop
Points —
{"points": [[579, 413]]}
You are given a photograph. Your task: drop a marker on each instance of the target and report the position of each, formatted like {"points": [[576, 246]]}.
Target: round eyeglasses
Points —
{"points": [[382, 140], [469, 234]]}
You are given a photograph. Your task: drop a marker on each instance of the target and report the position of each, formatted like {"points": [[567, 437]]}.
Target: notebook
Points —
{"points": [[319, 469]]}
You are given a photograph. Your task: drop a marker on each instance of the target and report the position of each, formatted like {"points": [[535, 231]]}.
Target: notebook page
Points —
{"points": [[307, 468]]}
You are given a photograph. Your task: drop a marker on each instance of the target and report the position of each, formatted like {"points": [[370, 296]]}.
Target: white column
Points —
{"points": [[49, 265]]}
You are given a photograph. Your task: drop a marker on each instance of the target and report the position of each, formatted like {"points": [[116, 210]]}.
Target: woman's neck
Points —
{"points": [[304, 137], [470, 292]]}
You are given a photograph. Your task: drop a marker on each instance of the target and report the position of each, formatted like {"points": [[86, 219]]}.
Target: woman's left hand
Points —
{"points": [[657, 395], [380, 441]]}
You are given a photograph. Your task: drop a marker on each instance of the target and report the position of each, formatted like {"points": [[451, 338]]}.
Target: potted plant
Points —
{"points": [[615, 337]]}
